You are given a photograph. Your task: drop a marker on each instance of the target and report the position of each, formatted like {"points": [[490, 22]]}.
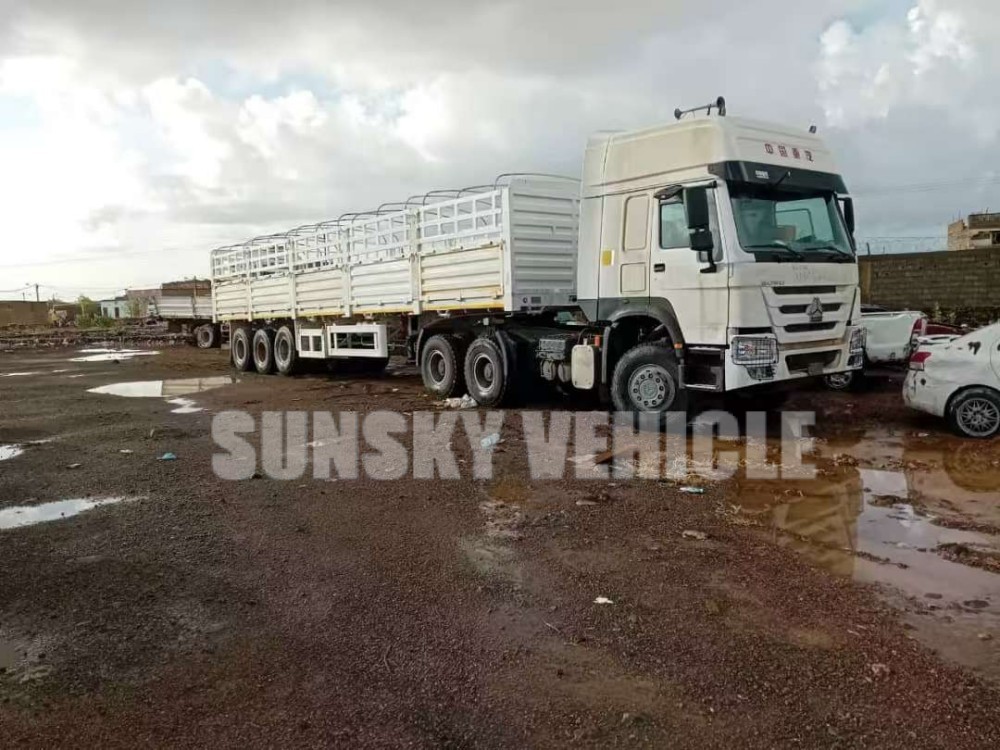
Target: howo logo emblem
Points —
{"points": [[815, 310]]}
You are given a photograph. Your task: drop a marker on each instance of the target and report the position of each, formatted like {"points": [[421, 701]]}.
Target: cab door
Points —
{"points": [[625, 248], [699, 300]]}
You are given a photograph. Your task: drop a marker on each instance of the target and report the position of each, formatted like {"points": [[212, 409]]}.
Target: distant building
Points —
{"points": [[116, 308], [974, 232]]}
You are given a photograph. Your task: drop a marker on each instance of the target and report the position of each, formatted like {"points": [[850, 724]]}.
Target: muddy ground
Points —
{"points": [[857, 609]]}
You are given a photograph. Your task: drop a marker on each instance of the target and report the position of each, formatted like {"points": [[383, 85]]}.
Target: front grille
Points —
{"points": [[798, 309], [806, 327], [804, 289], [810, 360]]}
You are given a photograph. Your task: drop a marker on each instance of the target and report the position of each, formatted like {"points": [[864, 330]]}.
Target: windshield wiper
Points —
{"points": [[835, 249], [776, 245]]}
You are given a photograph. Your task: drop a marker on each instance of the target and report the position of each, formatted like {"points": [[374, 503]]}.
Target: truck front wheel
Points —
{"points": [[241, 349], [441, 366], [647, 379]]}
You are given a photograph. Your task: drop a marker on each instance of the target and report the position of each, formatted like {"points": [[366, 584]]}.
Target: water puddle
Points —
{"points": [[29, 515], [173, 391], [17, 374], [10, 451], [890, 526], [110, 355]]}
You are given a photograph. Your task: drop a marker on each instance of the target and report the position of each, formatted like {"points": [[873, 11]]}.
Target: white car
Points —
{"points": [[958, 379], [890, 338]]}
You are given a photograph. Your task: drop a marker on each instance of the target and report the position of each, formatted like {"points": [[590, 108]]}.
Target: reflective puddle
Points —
{"points": [[110, 355], [171, 390], [29, 515], [929, 543], [10, 451], [17, 374]]}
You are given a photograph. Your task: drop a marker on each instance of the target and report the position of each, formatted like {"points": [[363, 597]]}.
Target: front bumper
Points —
{"points": [[794, 363]]}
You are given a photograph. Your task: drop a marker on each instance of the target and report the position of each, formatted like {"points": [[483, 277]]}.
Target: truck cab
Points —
{"points": [[730, 238]]}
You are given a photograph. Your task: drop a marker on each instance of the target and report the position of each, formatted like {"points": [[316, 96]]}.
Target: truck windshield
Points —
{"points": [[783, 224]]}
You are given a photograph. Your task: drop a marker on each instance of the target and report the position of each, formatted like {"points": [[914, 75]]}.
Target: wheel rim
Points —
{"points": [[261, 350], [437, 367], [840, 380], [651, 387], [483, 372], [203, 336], [979, 416], [241, 349]]}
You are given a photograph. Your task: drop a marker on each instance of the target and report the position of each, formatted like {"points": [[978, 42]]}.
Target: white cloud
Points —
{"points": [[174, 127]]}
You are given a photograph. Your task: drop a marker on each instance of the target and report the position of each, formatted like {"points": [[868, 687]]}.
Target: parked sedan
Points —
{"points": [[959, 379]]}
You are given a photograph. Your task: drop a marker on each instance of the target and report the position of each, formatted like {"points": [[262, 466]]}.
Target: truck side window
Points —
{"points": [[673, 225]]}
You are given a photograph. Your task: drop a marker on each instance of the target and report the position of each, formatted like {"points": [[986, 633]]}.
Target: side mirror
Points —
{"points": [[696, 207], [849, 215]]}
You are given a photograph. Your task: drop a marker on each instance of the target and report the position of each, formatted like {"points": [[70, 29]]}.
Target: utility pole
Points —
{"points": [[37, 298]]}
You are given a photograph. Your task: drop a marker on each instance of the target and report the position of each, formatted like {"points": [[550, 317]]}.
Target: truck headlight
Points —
{"points": [[754, 350], [858, 337]]}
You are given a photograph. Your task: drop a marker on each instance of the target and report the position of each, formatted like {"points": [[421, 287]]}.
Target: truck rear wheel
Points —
{"points": [[485, 374], [286, 356], [263, 351], [207, 336], [647, 379], [441, 366], [241, 349]]}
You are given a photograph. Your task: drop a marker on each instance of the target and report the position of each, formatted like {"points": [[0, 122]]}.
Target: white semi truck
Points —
{"points": [[712, 254]]}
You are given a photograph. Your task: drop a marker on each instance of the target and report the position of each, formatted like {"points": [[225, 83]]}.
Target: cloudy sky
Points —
{"points": [[136, 135]]}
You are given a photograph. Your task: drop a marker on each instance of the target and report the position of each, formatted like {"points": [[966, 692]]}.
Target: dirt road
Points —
{"points": [[857, 609]]}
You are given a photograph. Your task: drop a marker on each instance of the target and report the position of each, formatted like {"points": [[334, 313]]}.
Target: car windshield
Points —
{"points": [[803, 226]]}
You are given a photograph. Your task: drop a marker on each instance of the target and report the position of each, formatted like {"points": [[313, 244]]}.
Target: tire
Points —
{"points": [[442, 366], [206, 336], [263, 351], [241, 349], [286, 356], [485, 372], [975, 413], [851, 380], [647, 379]]}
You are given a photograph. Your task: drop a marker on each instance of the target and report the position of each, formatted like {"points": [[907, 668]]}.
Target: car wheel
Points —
{"points": [[485, 374], [241, 349], [441, 366], [647, 379], [975, 413], [263, 351]]}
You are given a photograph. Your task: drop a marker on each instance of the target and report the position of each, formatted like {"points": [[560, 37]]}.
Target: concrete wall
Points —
{"points": [[19, 313], [965, 286]]}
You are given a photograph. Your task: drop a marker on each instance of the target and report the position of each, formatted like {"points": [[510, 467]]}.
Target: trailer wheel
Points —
{"points": [[485, 374], [286, 356], [207, 336], [241, 349], [647, 379], [263, 351], [441, 366]]}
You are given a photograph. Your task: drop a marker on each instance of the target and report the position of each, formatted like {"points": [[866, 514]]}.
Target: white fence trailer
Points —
{"points": [[711, 254]]}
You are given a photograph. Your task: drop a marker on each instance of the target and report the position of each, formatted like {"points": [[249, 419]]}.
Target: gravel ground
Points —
{"points": [[421, 613]]}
